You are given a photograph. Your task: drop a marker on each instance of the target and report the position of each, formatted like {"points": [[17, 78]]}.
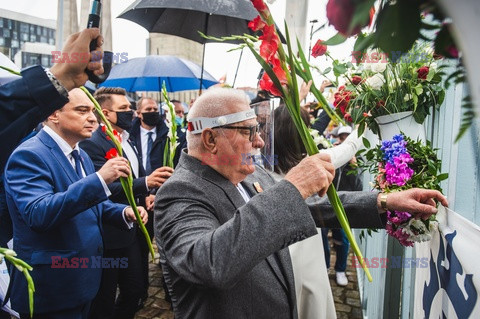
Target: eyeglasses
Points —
{"points": [[254, 129]]}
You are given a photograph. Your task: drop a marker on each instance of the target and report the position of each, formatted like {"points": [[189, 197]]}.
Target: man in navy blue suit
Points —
{"points": [[58, 203]]}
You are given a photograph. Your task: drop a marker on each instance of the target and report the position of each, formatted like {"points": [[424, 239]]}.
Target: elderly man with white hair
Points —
{"points": [[223, 225]]}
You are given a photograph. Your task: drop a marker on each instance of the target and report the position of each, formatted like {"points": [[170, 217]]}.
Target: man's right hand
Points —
{"points": [[72, 74], [313, 174], [114, 168], [159, 176]]}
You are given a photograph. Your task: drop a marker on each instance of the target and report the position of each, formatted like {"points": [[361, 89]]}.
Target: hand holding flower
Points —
{"points": [[115, 168], [159, 176], [130, 214], [313, 174]]}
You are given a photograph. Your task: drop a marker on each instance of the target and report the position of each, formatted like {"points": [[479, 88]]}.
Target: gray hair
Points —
{"points": [[214, 102]]}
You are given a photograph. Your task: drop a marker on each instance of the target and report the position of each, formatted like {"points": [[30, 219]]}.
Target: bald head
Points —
{"points": [[213, 103]]}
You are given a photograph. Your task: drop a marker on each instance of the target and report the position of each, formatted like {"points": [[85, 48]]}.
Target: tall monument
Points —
{"points": [[67, 21], [106, 21]]}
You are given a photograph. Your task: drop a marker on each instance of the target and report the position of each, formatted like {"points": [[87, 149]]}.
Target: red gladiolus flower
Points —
{"points": [[381, 103], [423, 72], [270, 42], [260, 6], [256, 24], [348, 117], [340, 14], [267, 85], [319, 49], [356, 80], [112, 153]]}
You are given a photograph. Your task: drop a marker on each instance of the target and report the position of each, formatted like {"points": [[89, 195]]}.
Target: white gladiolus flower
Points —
{"points": [[376, 81], [378, 67], [407, 97], [20, 268], [9, 252], [170, 135]]}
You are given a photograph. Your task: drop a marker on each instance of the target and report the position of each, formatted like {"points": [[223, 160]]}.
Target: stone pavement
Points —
{"points": [[347, 299]]}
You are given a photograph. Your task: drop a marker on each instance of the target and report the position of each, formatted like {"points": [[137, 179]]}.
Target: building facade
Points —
{"points": [[20, 33]]}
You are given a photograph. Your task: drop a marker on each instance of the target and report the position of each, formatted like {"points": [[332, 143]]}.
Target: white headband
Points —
{"points": [[197, 125]]}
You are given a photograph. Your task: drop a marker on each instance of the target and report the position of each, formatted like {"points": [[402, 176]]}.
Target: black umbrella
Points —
{"points": [[184, 18]]}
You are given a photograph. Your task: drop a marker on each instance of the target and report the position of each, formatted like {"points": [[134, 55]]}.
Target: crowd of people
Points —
{"points": [[232, 237]]}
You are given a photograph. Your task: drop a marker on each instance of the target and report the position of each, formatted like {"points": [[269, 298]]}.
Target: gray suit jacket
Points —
{"points": [[224, 258]]}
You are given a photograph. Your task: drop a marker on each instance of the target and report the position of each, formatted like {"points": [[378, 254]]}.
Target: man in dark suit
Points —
{"points": [[118, 243], [223, 225], [57, 203], [149, 123]]}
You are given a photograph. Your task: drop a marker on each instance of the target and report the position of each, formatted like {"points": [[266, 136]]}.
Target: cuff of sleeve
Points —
{"points": [[42, 90], [129, 224], [146, 183], [104, 185]]}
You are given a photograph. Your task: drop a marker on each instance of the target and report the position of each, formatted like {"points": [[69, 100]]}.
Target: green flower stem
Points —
{"points": [[171, 146], [25, 268], [127, 183], [10, 70]]}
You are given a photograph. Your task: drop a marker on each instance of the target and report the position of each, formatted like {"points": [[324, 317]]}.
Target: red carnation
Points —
{"points": [[319, 49], [356, 80], [423, 72], [256, 24], [112, 153], [340, 14]]}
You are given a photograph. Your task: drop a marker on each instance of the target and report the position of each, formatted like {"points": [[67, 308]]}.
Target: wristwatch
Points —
{"points": [[56, 83], [383, 201]]}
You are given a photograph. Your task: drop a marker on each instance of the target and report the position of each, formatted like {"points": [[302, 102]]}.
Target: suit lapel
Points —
{"points": [[59, 156], [254, 187]]}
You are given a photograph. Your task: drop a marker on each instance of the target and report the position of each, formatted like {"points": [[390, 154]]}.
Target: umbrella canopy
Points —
{"points": [[6, 76], [149, 73], [185, 18]]}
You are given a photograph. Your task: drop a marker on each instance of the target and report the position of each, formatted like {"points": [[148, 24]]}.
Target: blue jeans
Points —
{"points": [[341, 244]]}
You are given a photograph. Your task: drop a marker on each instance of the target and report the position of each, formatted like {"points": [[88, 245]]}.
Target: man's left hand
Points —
{"points": [[130, 215], [420, 202]]}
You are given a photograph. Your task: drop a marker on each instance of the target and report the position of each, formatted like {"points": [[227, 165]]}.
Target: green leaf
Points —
{"points": [[442, 177], [363, 42], [335, 40], [327, 70], [366, 142], [398, 26]]}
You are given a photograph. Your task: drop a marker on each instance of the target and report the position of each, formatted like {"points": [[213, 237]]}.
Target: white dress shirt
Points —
{"points": [[144, 139], [67, 150], [130, 152]]}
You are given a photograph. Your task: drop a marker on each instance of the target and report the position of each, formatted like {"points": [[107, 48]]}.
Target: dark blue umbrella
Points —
{"points": [[149, 73]]}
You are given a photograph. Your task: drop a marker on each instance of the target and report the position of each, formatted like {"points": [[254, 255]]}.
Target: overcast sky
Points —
{"points": [[130, 37]]}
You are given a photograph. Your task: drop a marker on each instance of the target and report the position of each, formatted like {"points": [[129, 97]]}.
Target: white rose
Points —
{"points": [[378, 67], [376, 81]]}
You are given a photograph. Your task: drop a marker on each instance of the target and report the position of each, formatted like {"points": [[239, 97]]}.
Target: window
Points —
{"points": [[24, 37], [51, 41], [6, 33], [9, 23], [39, 30], [14, 44], [23, 27], [1, 22], [2, 41], [43, 39], [46, 60], [33, 38], [33, 60], [32, 29], [15, 35]]}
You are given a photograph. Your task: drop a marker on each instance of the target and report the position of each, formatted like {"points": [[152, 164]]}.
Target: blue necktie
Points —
{"points": [[148, 167], [78, 163]]}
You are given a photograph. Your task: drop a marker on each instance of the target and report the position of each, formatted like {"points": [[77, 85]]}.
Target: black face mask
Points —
{"points": [[124, 120], [151, 118]]}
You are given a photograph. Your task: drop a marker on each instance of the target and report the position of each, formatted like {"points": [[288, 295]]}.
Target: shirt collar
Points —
{"points": [[64, 146], [145, 131]]}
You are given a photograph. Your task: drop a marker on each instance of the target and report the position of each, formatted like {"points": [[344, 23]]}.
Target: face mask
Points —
{"points": [[151, 118], [124, 120], [179, 120]]}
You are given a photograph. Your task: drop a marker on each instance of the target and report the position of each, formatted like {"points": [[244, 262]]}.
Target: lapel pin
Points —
{"points": [[257, 186]]}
